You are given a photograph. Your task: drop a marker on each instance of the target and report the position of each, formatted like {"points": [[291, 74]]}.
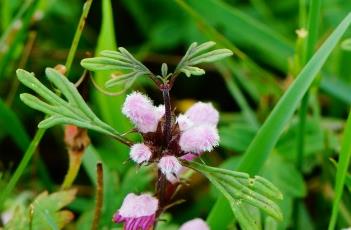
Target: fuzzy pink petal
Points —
{"points": [[135, 206], [140, 110], [195, 224], [203, 113], [160, 111], [170, 166], [189, 156], [184, 122], [199, 139], [140, 153]]}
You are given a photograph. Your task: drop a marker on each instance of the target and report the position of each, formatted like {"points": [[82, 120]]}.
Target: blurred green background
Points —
{"points": [[268, 55]]}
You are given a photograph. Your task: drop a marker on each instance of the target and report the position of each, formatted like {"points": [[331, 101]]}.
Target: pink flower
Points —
{"points": [[198, 130], [140, 153], [140, 110], [184, 122], [199, 139], [170, 167], [203, 113], [138, 212], [195, 224], [189, 156]]}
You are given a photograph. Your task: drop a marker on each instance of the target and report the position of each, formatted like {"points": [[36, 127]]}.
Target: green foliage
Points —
{"points": [[267, 136], [114, 60], [341, 173], [74, 111], [244, 193], [123, 60], [245, 89], [197, 54], [12, 125], [44, 213]]}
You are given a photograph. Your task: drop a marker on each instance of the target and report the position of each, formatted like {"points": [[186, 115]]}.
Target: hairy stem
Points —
{"points": [[167, 125], [161, 189], [161, 179]]}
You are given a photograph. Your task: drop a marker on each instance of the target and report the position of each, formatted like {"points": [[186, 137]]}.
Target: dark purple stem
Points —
{"points": [[168, 117], [161, 178]]}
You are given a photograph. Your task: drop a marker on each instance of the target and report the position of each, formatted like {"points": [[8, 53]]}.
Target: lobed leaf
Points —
{"points": [[73, 111], [117, 60], [197, 54], [45, 212], [242, 192]]}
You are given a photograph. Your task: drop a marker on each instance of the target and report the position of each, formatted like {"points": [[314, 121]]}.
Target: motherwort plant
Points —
{"points": [[170, 142]]}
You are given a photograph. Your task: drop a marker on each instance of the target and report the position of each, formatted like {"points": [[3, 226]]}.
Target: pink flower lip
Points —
{"points": [[137, 211], [189, 156]]}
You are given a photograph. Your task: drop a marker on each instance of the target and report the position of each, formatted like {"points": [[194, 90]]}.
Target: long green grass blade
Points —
{"points": [[246, 31], [13, 126], [267, 136], [16, 33], [77, 35], [341, 172], [21, 167]]}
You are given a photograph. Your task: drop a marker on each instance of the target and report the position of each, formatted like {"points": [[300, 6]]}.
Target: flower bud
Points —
{"points": [[203, 113], [199, 139], [184, 122], [170, 167], [140, 153], [193, 224], [140, 110]]}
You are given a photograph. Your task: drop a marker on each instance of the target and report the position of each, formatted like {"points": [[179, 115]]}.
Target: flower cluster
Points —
{"points": [[192, 133]]}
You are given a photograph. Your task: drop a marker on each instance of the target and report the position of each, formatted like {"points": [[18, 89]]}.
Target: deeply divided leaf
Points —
{"points": [[242, 192], [73, 111]]}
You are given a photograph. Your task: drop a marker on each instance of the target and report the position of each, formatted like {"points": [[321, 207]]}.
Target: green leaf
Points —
{"points": [[44, 213], [11, 124], [241, 190], [74, 111], [197, 54], [346, 44], [117, 60], [270, 131], [246, 31], [337, 88], [236, 136], [268, 134], [341, 172], [289, 180]]}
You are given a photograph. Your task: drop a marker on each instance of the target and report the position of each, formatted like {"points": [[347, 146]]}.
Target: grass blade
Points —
{"points": [[21, 167], [13, 126], [77, 35], [341, 172], [267, 136], [246, 31]]}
